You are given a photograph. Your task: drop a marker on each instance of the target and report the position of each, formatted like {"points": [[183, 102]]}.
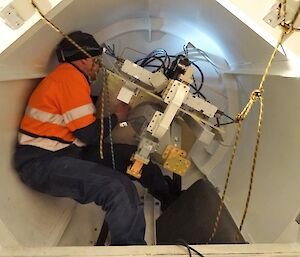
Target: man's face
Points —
{"points": [[93, 66]]}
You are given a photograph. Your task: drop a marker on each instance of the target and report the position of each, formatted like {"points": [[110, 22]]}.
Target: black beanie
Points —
{"points": [[67, 52]]}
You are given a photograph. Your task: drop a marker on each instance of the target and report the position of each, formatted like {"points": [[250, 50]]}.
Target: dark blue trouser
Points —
{"points": [[86, 182], [152, 177], [91, 180]]}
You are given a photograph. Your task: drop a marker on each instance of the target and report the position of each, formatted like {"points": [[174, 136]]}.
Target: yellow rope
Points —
{"points": [[59, 30], [256, 94], [217, 220], [258, 135], [88, 56], [286, 29], [104, 75], [102, 123]]}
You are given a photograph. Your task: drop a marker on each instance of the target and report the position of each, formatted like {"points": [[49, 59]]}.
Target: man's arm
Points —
{"points": [[91, 133]]}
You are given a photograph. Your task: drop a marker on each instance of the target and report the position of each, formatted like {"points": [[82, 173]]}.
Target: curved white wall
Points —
{"points": [[275, 200]]}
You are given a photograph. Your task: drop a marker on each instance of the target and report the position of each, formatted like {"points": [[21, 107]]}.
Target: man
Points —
{"points": [[58, 142]]}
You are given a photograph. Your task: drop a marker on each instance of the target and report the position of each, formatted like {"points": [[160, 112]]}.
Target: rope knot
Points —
{"points": [[255, 95], [288, 28], [239, 117]]}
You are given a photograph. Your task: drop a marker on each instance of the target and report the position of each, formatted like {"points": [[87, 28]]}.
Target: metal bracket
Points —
{"points": [[175, 160], [11, 17], [155, 119], [275, 15]]}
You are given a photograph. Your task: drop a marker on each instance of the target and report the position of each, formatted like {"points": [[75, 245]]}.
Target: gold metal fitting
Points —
{"points": [[135, 169], [175, 160]]}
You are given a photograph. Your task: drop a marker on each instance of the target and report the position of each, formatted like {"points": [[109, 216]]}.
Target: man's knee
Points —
{"points": [[120, 191]]}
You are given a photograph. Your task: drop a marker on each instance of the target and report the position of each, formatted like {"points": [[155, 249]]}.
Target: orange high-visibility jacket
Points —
{"points": [[59, 105]]}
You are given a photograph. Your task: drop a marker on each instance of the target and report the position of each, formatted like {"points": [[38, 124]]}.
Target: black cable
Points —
{"points": [[110, 51], [195, 251], [147, 60], [223, 124], [218, 122], [227, 116], [194, 86], [168, 66], [200, 94], [220, 114], [201, 73], [160, 52], [153, 58], [197, 91], [189, 248], [142, 59], [111, 55], [226, 123], [152, 66], [156, 54]]}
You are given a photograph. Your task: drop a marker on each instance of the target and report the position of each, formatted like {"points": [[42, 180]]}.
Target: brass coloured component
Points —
{"points": [[175, 160], [135, 169]]}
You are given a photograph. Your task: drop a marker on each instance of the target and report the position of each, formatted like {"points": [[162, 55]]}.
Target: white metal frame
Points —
{"points": [[253, 250]]}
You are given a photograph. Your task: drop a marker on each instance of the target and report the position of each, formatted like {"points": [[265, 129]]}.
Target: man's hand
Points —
{"points": [[121, 111]]}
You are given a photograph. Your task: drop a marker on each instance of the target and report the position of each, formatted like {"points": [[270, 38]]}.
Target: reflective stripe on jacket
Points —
{"points": [[59, 105]]}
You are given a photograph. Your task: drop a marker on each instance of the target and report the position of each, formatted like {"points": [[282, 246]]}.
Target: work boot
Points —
{"points": [[166, 198]]}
